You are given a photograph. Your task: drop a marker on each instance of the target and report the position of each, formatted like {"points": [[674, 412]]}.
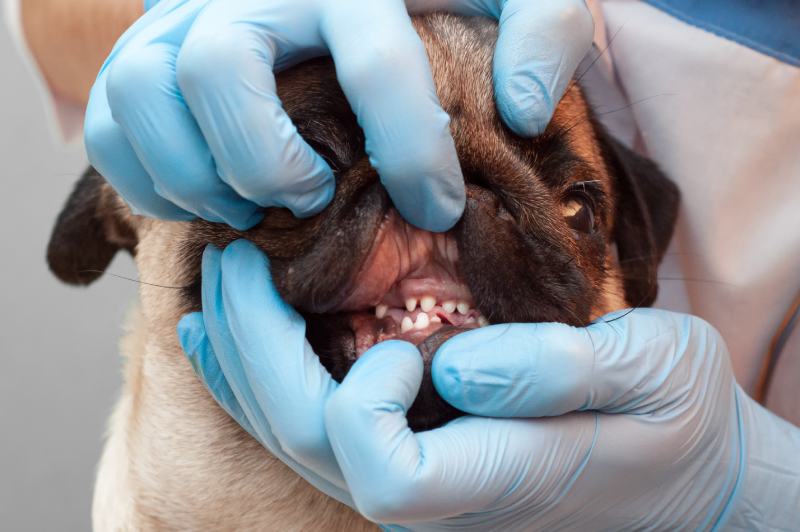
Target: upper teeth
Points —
{"points": [[426, 304]]}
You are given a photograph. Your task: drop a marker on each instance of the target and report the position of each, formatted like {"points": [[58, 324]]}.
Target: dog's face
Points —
{"points": [[536, 242]]}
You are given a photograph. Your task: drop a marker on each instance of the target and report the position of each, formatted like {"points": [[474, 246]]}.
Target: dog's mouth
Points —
{"points": [[408, 288]]}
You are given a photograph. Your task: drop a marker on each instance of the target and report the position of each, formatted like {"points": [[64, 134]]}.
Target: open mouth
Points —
{"points": [[408, 288]]}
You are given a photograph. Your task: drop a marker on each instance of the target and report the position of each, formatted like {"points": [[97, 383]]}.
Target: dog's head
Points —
{"points": [[563, 227]]}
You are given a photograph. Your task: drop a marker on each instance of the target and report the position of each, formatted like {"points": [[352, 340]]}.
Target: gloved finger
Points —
{"points": [[538, 49], [113, 156], [396, 476], [540, 44], [623, 363], [108, 148], [197, 348], [217, 328], [383, 69], [146, 103], [286, 376], [225, 72]]}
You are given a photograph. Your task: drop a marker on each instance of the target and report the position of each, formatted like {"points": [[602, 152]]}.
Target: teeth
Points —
{"points": [[463, 307], [411, 304], [449, 306], [436, 319], [422, 321], [380, 311], [427, 303], [406, 325], [482, 322]]}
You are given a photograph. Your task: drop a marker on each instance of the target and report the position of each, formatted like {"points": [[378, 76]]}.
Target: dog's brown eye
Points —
{"points": [[578, 212]]}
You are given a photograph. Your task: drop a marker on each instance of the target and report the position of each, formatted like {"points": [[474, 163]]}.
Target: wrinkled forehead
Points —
{"points": [[460, 51]]}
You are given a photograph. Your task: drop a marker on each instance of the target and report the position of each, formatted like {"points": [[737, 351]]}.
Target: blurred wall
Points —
{"points": [[60, 371]]}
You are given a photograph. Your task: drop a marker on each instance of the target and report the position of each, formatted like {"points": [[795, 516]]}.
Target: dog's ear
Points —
{"points": [[647, 206], [93, 225]]}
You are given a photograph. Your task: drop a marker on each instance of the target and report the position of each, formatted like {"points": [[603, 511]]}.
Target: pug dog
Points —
{"points": [[564, 227]]}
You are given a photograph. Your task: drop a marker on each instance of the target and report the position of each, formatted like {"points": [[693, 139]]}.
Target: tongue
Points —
{"points": [[404, 261]]}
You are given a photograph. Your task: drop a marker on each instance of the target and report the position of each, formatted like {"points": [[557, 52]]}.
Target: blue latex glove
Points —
{"points": [[649, 428], [264, 363], [184, 120]]}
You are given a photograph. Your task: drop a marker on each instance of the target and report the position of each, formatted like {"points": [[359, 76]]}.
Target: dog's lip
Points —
{"points": [[405, 273], [404, 262]]}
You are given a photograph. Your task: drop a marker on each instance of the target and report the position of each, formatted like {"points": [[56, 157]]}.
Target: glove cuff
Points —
{"points": [[768, 493]]}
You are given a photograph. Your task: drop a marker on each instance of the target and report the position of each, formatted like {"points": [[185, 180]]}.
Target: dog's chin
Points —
{"points": [[407, 288]]}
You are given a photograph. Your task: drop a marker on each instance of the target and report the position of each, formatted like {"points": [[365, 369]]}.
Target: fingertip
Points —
{"points": [[438, 211], [389, 373], [211, 254], [244, 220], [429, 193], [524, 104], [315, 201], [458, 375], [242, 246], [191, 333], [391, 360], [245, 259]]}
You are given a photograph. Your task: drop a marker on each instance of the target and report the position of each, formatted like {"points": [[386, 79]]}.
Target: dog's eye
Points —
{"points": [[578, 212]]}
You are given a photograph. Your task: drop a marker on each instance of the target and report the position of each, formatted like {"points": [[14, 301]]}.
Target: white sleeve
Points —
{"points": [[65, 117]]}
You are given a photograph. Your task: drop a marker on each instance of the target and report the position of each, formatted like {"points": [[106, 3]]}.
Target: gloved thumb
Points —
{"points": [[197, 348], [622, 363]]}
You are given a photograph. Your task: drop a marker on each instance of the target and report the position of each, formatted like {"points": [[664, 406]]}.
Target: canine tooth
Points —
{"points": [[436, 319], [411, 304], [422, 321], [406, 325], [449, 306], [427, 303], [380, 311], [463, 307], [482, 322]]}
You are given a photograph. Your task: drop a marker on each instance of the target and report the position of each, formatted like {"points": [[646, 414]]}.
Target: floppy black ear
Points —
{"points": [[647, 206], [89, 231]]}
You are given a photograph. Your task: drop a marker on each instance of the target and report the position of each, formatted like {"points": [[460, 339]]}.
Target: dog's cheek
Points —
{"points": [[315, 281]]}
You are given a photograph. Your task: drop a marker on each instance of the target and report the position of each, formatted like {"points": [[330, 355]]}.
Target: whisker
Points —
{"points": [[651, 257], [622, 276], [641, 100], [136, 280], [579, 77]]}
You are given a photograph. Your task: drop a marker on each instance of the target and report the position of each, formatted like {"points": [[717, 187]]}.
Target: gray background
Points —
{"points": [[60, 372]]}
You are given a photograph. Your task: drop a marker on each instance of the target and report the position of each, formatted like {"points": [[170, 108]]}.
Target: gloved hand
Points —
{"points": [[264, 363], [184, 120], [649, 428]]}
